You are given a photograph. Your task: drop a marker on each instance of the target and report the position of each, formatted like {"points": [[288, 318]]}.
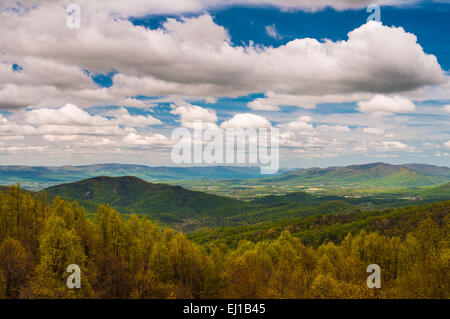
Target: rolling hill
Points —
{"points": [[368, 175], [38, 177], [429, 169], [191, 210], [442, 191], [172, 205]]}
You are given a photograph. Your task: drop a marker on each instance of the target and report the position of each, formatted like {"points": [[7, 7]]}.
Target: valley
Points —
{"points": [[198, 204]]}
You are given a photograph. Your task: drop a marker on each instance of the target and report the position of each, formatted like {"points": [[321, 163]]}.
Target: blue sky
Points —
{"points": [[428, 21], [343, 122]]}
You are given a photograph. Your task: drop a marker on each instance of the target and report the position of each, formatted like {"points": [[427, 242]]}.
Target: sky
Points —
{"points": [[341, 90]]}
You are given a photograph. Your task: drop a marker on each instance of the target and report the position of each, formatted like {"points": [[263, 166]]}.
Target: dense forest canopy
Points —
{"points": [[134, 258]]}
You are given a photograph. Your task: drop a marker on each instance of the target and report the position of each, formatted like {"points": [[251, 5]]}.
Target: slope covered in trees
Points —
{"points": [[367, 175], [162, 202], [134, 258], [437, 192], [191, 211], [314, 230]]}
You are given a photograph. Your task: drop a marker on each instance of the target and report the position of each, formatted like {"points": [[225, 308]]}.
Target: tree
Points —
{"points": [[15, 265], [149, 287], [59, 248]]}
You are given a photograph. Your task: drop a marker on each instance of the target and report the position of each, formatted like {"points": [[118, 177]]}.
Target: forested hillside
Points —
{"points": [[134, 258], [317, 229], [168, 204], [367, 175], [190, 211]]}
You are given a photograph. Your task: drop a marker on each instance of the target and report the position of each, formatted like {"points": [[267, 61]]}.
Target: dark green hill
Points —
{"points": [[38, 177], [368, 175], [173, 205]]}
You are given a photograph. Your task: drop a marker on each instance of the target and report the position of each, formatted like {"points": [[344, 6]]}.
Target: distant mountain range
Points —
{"points": [[368, 175], [38, 177]]}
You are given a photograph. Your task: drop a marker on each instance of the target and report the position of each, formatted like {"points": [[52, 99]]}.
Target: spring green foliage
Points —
{"points": [[162, 202], [437, 192], [314, 230], [134, 258], [191, 211], [368, 175]]}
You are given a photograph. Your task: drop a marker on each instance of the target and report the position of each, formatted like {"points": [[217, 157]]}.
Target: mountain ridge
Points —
{"points": [[38, 177], [165, 203], [377, 174]]}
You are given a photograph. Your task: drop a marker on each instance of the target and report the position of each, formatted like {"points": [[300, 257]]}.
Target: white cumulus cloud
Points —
{"points": [[446, 108], [300, 125], [147, 140], [189, 114], [373, 59], [373, 130], [447, 144], [381, 104], [145, 7], [245, 121]]}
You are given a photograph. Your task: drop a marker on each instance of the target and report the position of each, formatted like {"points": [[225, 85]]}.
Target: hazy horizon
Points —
{"points": [[218, 165]]}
